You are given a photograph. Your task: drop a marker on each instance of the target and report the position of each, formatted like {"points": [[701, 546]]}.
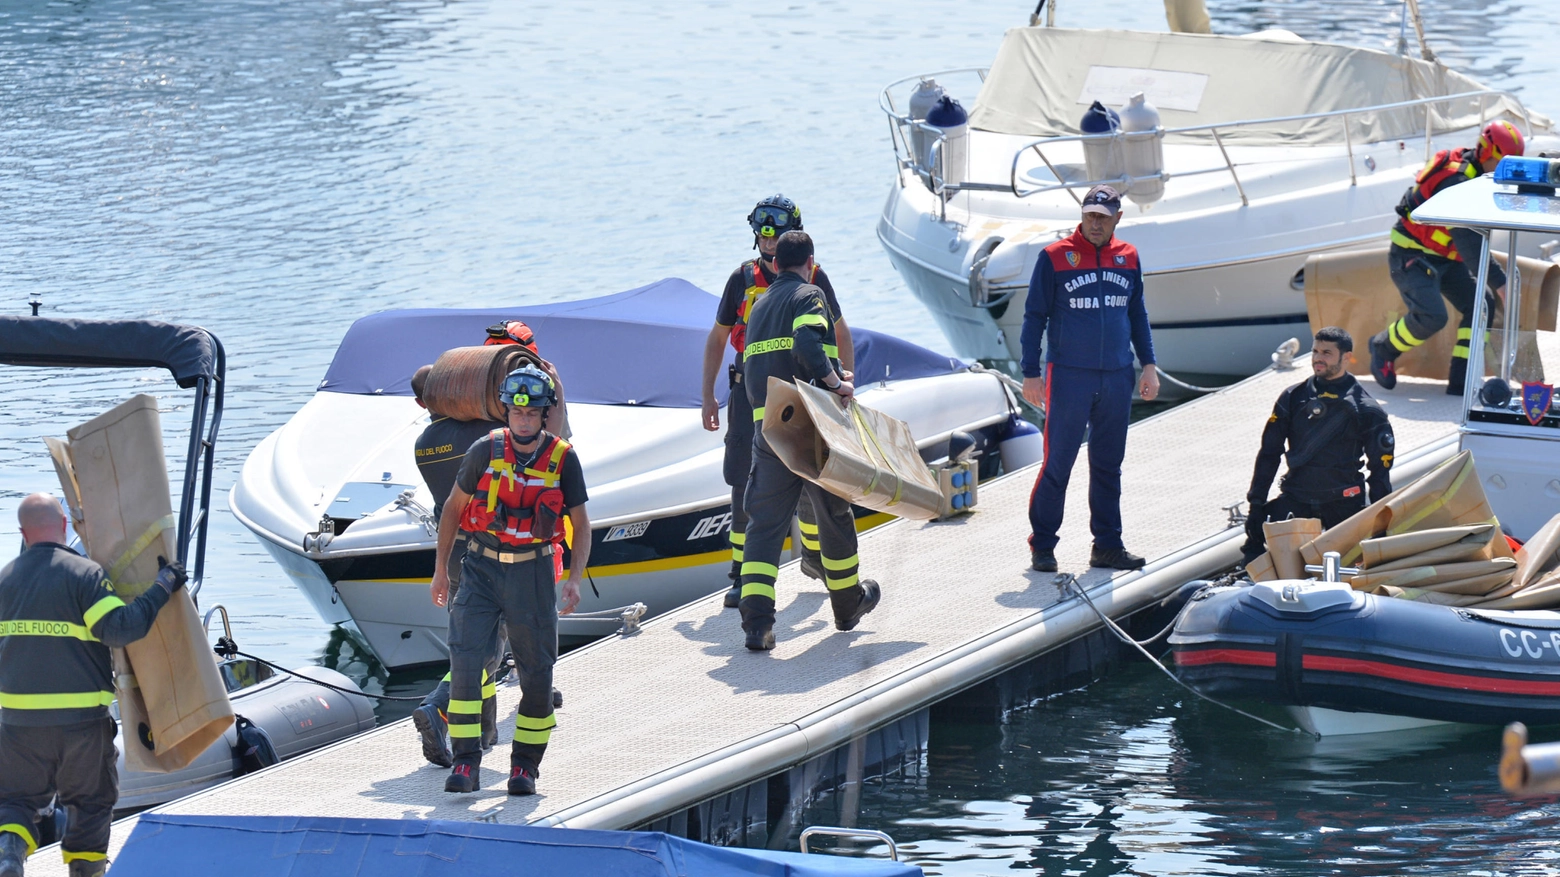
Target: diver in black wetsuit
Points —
{"points": [[1327, 423]]}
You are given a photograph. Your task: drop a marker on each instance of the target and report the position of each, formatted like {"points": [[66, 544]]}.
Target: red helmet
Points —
{"points": [[511, 332], [1498, 140]]}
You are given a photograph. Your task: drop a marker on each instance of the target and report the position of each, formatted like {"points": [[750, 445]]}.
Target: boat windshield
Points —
{"points": [[1044, 78], [1506, 379]]}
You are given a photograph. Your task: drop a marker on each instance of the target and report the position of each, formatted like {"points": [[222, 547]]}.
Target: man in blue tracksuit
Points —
{"points": [[1087, 292]]}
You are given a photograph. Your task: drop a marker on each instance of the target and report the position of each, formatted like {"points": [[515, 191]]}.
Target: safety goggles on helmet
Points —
{"points": [[769, 220], [527, 387], [1498, 140]]}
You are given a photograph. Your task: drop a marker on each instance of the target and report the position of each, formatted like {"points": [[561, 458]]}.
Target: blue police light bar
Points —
{"points": [[1529, 174]]}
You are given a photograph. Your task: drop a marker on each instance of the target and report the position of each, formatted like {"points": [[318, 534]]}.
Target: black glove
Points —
{"points": [[170, 576], [1254, 519]]}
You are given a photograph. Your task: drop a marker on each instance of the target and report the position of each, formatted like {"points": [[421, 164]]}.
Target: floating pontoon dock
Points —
{"points": [[680, 713]]}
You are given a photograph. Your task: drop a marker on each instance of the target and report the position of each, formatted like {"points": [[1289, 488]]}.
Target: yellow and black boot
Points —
{"points": [[13, 853]]}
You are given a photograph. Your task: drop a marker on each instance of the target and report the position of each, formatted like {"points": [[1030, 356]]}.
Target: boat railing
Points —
{"points": [[934, 171]]}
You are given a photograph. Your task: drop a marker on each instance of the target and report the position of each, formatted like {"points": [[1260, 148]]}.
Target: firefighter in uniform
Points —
{"points": [[514, 488], [770, 218], [439, 451], [790, 336], [1328, 423], [59, 616], [1427, 261], [1086, 302]]}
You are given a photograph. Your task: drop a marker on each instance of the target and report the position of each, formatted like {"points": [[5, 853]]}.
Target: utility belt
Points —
{"points": [[477, 548], [1332, 493], [734, 374]]}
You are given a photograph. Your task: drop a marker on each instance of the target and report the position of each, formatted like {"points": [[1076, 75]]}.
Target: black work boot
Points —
{"points": [[1042, 561], [812, 566], [1457, 377], [463, 778], [433, 729], [870, 595], [13, 853], [84, 868], [733, 596], [760, 640], [522, 780], [1114, 558], [1382, 354], [557, 699]]}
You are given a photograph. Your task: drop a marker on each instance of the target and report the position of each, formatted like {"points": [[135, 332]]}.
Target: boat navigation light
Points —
{"points": [[1540, 175]]}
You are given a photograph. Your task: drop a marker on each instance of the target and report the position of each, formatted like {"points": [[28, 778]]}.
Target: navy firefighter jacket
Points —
{"points": [[1090, 300]]}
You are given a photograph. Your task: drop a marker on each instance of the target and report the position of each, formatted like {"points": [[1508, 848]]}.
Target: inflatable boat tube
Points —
{"points": [[1323, 644], [294, 713]]}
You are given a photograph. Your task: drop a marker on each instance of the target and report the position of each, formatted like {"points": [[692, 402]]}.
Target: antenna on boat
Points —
{"points": [[1411, 12]]}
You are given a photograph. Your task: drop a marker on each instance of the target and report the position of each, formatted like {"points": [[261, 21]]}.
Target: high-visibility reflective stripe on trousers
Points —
{"points": [[1401, 338], [72, 700], [809, 535], [489, 687], [85, 857], [738, 540], [536, 731], [1464, 341], [24, 832], [841, 574], [762, 588]]}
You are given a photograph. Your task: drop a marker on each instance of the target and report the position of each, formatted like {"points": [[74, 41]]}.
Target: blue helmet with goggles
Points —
{"points": [[774, 216], [528, 387]]}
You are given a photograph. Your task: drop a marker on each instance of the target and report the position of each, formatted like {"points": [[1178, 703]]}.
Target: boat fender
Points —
{"points": [[1022, 446], [254, 750]]}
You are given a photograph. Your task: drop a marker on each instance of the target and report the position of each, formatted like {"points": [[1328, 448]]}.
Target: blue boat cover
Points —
{"points": [[641, 347], [305, 846]]}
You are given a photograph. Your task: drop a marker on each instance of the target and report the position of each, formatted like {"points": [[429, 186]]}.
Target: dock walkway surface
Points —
{"points": [[653, 718]]}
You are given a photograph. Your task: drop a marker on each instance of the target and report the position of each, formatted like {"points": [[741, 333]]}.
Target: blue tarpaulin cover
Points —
{"points": [[641, 347], [166, 845]]}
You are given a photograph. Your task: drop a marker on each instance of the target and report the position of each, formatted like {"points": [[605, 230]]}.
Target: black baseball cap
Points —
{"points": [[1102, 199]]}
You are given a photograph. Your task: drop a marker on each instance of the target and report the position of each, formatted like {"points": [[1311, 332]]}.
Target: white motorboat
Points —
{"points": [[335, 496], [1268, 148]]}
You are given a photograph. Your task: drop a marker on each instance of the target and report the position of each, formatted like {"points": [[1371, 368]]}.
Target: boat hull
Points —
{"points": [[1378, 655]]}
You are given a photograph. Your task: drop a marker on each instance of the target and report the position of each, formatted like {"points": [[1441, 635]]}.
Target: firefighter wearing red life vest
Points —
{"points": [[515, 489], [1429, 262], [770, 218]]}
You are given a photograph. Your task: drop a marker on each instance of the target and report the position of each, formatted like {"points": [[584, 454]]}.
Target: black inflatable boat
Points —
{"points": [[1323, 645]]}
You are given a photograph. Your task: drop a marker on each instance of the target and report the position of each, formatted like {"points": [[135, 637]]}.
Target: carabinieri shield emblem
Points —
{"points": [[1072, 258], [1535, 400]]}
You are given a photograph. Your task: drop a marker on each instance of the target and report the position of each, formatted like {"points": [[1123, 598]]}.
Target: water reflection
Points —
{"points": [[1128, 778]]}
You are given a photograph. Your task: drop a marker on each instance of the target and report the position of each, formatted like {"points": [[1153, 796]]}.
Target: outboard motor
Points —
{"points": [[1143, 149], [926, 95], [1101, 158], [954, 122]]}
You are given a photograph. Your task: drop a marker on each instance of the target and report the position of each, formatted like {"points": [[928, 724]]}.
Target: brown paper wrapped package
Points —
{"points": [[1449, 495], [1284, 539], [114, 473], [1355, 291], [856, 453], [1426, 546]]}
